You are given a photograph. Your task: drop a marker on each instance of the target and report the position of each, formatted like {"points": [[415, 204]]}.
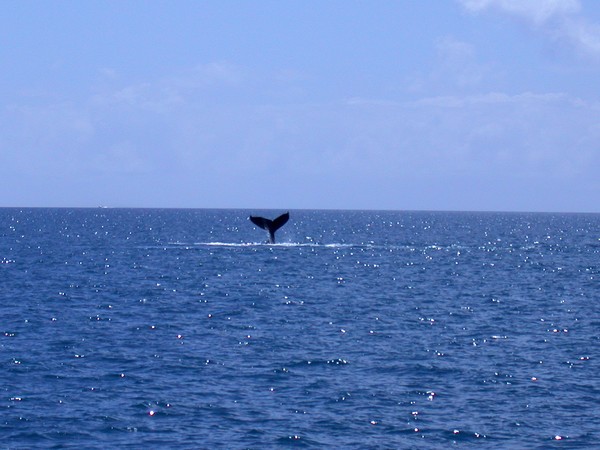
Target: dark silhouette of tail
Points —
{"points": [[271, 225]]}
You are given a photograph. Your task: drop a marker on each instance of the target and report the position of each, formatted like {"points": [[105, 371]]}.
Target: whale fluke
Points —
{"points": [[270, 225]]}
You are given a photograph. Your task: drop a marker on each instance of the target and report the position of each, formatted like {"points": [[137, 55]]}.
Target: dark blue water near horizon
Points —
{"points": [[130, 328]]}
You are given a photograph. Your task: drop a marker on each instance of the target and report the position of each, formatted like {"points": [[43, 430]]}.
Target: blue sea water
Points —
{"points": [[131, 328]]}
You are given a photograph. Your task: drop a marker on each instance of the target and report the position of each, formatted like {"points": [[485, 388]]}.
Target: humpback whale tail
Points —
{"points": [[270, 225]]}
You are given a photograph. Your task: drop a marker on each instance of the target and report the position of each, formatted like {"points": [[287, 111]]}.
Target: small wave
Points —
{"points": [[227, 244], [262, 244]]}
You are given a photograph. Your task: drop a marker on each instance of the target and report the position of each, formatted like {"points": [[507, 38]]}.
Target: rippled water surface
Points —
{"points": [[183, 329]]}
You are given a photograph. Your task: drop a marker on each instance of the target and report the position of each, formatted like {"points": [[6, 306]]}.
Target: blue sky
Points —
{"points": [[420, 105]]}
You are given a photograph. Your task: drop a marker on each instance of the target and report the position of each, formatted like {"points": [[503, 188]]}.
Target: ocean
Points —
{"points": [[167, 328]]}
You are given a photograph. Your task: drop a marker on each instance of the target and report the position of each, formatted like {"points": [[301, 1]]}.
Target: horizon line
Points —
{"points": [[306, 209]]}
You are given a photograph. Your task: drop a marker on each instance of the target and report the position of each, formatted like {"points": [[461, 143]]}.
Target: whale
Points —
{"points": [[270, 225]]}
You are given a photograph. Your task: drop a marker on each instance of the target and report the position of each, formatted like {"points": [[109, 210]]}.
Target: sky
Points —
{"points": [[478, 105]]}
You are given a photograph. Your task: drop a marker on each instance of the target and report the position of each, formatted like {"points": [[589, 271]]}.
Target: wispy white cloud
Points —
{"points": [[458, 62], [456, 68], [584, 34], [500, 98], [165, 94], [504, 138], [561, 20], [536, 11]]}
